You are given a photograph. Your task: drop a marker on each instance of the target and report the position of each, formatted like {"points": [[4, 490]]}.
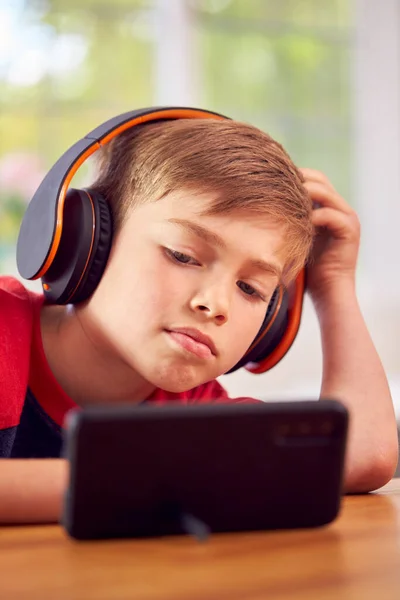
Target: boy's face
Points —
{"points": [[174, 276]]}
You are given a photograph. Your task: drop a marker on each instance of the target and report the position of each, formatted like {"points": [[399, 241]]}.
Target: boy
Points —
{"points": [[208, 217]]}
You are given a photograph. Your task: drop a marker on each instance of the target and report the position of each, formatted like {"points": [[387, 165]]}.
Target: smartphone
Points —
{"points": [[153, 471]]}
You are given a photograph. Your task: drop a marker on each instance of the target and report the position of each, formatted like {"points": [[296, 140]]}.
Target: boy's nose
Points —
{"points": [[213, 302]]}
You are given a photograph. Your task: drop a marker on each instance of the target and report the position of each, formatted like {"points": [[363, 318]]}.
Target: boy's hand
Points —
{"points": [[334, 255]]}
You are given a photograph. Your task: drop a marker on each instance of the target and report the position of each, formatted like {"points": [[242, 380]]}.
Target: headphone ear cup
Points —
{"points": [[83, 251], [271, 331], [101, 248]]}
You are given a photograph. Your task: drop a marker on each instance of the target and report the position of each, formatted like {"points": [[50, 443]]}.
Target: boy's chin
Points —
{"points": [[180, 380]]}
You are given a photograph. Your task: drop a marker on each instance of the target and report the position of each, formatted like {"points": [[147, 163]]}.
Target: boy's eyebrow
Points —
{"points": [[213, 238], [202, 232], [266, 266]]}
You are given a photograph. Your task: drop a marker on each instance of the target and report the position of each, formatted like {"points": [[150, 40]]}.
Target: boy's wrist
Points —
{"points": [[332, 294]]}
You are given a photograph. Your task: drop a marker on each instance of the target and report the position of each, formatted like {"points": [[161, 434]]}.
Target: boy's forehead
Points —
{"points": [[256, 234], [195, 206], [189, 209], [198, 205], [193, 202]]}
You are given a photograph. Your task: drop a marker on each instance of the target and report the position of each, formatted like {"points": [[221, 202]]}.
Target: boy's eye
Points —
{"points": [[248, 289], [180, 257]]}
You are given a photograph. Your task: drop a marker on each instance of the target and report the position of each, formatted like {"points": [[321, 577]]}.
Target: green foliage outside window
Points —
{"points": [[284, 66]]}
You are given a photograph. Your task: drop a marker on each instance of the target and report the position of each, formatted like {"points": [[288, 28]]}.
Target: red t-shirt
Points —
{"points": [[32, 403]]}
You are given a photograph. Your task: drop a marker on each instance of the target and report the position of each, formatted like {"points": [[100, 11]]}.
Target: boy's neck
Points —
{"points": [[82, 363]]}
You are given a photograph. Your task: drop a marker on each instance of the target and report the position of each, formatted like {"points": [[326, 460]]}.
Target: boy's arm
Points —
{"points": [[353, 373], [352, 370], [31, 490]]}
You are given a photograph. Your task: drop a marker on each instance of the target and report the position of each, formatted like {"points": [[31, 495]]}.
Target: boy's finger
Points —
{"points": [[327, 197], [317, 176], [337, 222]]}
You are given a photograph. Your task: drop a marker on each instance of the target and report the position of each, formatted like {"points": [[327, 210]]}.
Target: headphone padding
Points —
{"points": [[270, 340], [101, 248]]}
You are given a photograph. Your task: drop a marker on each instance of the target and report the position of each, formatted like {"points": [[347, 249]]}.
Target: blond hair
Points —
{"points": [[243, 167]]}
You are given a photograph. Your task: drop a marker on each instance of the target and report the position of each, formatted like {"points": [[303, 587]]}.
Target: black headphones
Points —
{"points": [[65, 239]]}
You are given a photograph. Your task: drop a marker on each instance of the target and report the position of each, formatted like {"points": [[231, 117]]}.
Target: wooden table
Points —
{"points": [[357, 557]]}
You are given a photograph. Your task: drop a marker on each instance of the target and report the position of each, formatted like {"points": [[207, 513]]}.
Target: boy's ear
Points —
{"points": [[279, 328]]}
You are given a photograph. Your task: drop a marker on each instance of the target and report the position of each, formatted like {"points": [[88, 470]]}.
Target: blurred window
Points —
{"points": [[68, 65]]}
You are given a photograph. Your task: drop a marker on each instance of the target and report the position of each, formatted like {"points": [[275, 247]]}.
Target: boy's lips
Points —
{"points": [[200, 339]]}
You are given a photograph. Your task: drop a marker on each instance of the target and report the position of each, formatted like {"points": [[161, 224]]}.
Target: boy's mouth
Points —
{"points": [[193, 341]]}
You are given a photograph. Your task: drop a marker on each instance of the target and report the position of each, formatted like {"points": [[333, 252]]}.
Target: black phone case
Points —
{"points": [[151, 471]]}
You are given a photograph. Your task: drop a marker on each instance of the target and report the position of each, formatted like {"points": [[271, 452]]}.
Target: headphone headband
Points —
{"points": [[37, 246]]}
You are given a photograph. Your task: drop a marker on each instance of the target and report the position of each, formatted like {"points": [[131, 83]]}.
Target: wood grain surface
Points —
{"points": [[357, 557]]}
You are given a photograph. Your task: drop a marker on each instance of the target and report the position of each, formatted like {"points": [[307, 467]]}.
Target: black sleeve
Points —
{"points": [[7, 437]]}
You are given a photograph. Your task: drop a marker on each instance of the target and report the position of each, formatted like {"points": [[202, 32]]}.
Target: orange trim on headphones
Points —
{"points": [[294, 314], [271, 322], [60, 210], [162, 114], [153, 116]]}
